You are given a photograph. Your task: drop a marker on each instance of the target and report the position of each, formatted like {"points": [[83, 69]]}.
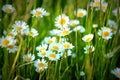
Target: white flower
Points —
{"points": [[42, 47], [108, 55], [103, 6], [40, 65], [88, 37], [31, 32], [105, 32], [6, 41], [20, 26], [113, 25], [80, 12], [8, 8], [74, 23], [53, 56], [55, 32], [64, 32], [95, 25], [39, 12], [116, 72], [96, 3], [81, 29], [49, 40], [56, 47], [28, 57], [12, 48], [88, 49], [66, 53], [82, 73], [67, 45], [62, 21], [42, 54], [116, 11]]}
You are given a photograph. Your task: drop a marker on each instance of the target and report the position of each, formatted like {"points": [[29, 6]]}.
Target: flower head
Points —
{"points": [[12, 48], [74, 23], [42, 54], [42, 47], [80, 12], [88, 49], [8, 8], [116, 11], [28, 57], [116, 72], [32, 32], [53, 56], [88, 38], [80, 29]]}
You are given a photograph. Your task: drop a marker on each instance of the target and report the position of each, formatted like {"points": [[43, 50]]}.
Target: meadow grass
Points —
{"points": [[95, 64]]}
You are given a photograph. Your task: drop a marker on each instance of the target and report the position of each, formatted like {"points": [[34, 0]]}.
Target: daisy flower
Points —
{"points": [[8, 8], [108, 55], [10, 34], [105, 32], [89, 49], [56, 47], [74, 23], [67, 45], [88, 38], [62, 21], [96, 3], [31, 32], [103, 6], [6, 41], [42, 54], [42, 47], [65, 32], [40, 65], [39, 12], [28, 57], [80, 12], [20, 26], [53, 56], [82, 73], [81, 29], [116, 72], [113, 25], [49, 40], [66, 53], [95, 25], [116, 11], [55, 32], [12, 48]]}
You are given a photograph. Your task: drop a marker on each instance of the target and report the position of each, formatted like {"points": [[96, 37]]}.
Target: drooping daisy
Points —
{"points": [[65, 32], [39, 12], [6, 41], [56, 47], [116, 11], [103, 6], [116, 72], [53, 56], [88, 37], [113, 25], [105, 32], [80, 12], [40, 65], [12, 48], [42, 47], [42, 54], [74, 23], [49, 40], [8, 8], [80, 29], [88, 49], [28, 57], [66, 53], [20, 26], [31, 32], [62, 21], [67, 45]]}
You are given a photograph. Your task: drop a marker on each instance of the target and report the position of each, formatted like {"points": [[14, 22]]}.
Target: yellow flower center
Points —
{"points": [[73, 24], [62, 21], [28, 58], [95, 4], [30, 33], [42, 48], [55, 48], [66, 45], [105, 33], [40, 64], [65, 32], [50, 41], [80, 14], [43, 53], [65, 54], [118, 73], [5, 42], [8, 10], [18, 28], [52, 55], [10, 34], [11, 46], [37, 13], [88, 39]]}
